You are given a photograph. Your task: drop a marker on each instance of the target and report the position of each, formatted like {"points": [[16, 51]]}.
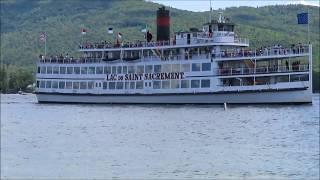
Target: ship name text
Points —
{"points": [[144, 76]]}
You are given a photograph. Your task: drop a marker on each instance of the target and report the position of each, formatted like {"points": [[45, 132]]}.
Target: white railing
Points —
{"points": [[262, 70], [271, 51], [226, 54], [142, 44]]}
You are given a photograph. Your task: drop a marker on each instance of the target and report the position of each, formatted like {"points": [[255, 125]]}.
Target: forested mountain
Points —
{"points": [[23, 20]]}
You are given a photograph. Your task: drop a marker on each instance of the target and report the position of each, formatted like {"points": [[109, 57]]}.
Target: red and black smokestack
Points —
{"points": [[163, 24]]}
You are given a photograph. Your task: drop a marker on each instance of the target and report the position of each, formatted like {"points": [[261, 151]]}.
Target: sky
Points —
{"points": [[204, 5]]}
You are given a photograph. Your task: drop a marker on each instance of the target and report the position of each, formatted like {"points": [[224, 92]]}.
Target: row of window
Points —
{"points": [[165, 84], [125, 69]]}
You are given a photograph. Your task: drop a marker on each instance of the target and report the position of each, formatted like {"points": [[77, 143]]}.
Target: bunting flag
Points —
{"points": [[119, 35], [83, 31], [302, 18], [144, 30], [110, 30], [42, 37]]}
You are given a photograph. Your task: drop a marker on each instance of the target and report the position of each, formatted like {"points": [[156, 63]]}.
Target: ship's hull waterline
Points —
{"points": [[291, 96]]}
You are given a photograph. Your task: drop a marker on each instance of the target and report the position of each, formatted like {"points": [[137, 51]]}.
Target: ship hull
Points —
{"points": [[290, 96]]}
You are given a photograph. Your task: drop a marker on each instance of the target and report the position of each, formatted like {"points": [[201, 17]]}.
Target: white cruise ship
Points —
{"points": [[211, 65]]}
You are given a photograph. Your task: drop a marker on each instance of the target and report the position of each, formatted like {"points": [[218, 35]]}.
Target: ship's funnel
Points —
{"points": [[163, 24]]}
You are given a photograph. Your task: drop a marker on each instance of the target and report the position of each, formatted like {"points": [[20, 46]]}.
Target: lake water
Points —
{"points": [[54, 141]]}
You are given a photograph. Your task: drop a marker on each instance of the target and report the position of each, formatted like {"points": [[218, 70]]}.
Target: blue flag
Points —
{"points": [[302, 18]]}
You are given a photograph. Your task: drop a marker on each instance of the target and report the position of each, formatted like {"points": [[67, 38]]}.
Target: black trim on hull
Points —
{"points": [[168, 94]]}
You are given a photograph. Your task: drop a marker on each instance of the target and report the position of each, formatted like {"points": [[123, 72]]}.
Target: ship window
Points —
{"points": [[185, 67], [195, 83], [130, 69], [62, 84], [38, 84], [90, 84], [75, 85], [84, 70], [68, 85], [175, 84], [166, 68], [165, 84], [132, 85], [156, 84], [42, 84], [107, 70], [185, 84], [139, 85], [99, 70], [119, 85], [48, 84], [157, 68], [196, 67], [83, 85], [205, 83], [105, 85], [69, 70], [91, 70], [62, 70], [38, 70], [206, 66], [112, 85], [126, 85], [140, 69], [148, 69], [55, 70], [145, 84], [49, 70], [77, 70], [119, 69], [125, 69], [42, 69], [55, 84], [114, 69], [175, 67]]}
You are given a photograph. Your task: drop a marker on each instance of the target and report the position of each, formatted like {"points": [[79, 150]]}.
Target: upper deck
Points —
{"points": [[202, 41], [223, 55]]}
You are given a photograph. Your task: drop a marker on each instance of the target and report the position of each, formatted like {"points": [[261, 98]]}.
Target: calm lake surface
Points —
{"points": [[55, 141]]}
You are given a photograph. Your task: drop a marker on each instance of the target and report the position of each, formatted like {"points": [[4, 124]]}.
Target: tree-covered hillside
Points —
{"points": [[23, 20]]}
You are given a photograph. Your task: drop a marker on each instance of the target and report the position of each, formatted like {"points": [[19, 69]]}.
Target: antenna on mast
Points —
{"points": [[210, 13]]}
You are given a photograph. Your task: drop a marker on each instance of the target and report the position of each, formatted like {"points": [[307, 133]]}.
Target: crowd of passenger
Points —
{"points": [[263, 51], [106, 44], [65, 59], [239, 52]]}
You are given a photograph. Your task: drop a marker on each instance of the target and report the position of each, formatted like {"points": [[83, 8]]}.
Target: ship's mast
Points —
{"points": [[210, 13]]}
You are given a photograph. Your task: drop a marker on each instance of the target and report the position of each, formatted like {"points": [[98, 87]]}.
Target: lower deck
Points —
{"points": [[276, 96]]}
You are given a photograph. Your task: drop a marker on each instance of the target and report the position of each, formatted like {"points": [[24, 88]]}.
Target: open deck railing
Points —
{"points": [[142, 44], [271, 51], [225, 54], [262, 70]]}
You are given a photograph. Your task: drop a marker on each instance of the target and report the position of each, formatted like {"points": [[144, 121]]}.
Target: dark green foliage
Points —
{"points": [[23, 20]]}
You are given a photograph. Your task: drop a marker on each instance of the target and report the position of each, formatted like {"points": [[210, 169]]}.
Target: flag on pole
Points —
{"points": [[83, 31], [110, 30], [144, 30], [119, 35], [302, 18], [43, 37]]}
